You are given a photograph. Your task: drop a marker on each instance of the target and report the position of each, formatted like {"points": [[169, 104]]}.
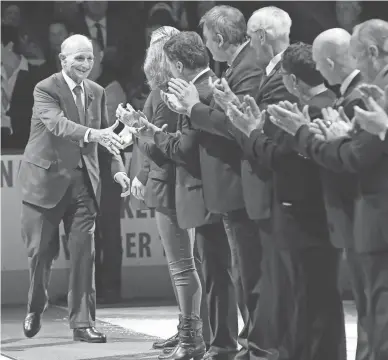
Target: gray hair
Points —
{"points": [[276, 22], [227, 21], [156, 67], [373, 32]]}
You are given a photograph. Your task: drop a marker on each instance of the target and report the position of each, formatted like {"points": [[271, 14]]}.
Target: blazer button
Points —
{"points": [[331, 227]]}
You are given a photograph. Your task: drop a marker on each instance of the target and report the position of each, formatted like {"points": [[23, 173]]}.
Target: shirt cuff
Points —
{"points": [[188, 112], [86, 137], [120, 172]]}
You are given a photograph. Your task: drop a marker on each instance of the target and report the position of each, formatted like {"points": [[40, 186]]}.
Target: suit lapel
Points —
{"points": [[67, 96], [89, 96], [268, 77]]}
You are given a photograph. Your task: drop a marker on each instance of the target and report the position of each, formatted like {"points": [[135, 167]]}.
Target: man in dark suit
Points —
{"points": [[342, 154], [115, 31], [59, 178], [222, 159], [300, 257]]}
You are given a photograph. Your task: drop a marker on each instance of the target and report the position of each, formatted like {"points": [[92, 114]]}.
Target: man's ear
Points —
{"points": [[62, 57], [330, 62], [220, 40]]}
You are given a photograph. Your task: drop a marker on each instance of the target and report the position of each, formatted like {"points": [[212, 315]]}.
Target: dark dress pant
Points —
{"points": [[246, 253], [109, 249], [301, 314], [218, 289], [369, 279], [77, 209]]}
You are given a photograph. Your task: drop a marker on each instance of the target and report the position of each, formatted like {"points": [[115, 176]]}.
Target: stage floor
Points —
{"points": [[130, 330]]}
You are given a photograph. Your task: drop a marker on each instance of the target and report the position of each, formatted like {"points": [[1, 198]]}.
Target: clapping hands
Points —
{"points": [[248, 117], [223, 95], [288, 117]]}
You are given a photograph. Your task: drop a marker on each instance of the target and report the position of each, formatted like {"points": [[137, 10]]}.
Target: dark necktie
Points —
{"points": [[81, 113], [78, 101], [99, 36]]}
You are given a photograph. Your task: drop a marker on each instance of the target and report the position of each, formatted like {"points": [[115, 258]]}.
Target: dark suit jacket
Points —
{"points": [[340, 188], [121, 35], [21, 104], [185, 149], [258, 180], [220, 155], [298, 212], [156, 171], [53, 150]]}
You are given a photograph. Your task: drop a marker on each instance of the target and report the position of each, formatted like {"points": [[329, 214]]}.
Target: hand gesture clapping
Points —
{"points": [[248, 118], [223, 95], [288, 117]]}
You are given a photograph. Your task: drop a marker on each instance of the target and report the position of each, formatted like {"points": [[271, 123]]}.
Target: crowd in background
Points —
{"points": [[35, 30]]}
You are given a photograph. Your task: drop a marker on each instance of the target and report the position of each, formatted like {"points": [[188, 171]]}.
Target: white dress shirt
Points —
{"points": [[199, 74], [275, 60], [348, 80], [91, 24], [72, 84]]}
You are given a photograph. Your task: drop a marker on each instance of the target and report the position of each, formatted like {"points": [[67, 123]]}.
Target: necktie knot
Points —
{"points": [[77, 90]]}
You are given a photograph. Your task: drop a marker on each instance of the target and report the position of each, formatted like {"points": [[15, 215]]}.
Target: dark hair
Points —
{"points": [[298, 60], [11, 34], [188, 48]]}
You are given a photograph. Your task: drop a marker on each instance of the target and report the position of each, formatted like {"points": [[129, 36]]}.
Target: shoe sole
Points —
{"points": [[97, 341]]}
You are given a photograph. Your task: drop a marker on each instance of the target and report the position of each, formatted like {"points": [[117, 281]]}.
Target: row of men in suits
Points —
{"points": [[293, 194]]}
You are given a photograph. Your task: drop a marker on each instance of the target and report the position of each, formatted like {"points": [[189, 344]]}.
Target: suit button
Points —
{"points": [[331, 227]]}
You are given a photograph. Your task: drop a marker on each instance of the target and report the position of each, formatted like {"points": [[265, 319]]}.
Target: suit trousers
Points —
{"points": [[77, 209], [109, 249], [246, 253], [214, 254], [301, 313], [369, 278]]}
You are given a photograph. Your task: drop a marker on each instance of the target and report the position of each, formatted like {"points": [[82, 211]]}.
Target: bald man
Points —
{"points": [[59, 178], [331, 52]]}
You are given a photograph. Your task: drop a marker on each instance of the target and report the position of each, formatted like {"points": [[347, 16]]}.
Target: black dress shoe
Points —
{"points": [[90, 335], [31, 324], [170, 343]]}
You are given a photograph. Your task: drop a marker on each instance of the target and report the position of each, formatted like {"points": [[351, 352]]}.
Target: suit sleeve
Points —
{"points": [[266, 152], [145, 167], [272, 95], [162, 114], [179, 146], [48, 110], [353, 155], [117, 164], [214, 120]]}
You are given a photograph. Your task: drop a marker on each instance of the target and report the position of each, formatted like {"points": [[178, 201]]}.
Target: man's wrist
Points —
{"points": [[190, 108]]}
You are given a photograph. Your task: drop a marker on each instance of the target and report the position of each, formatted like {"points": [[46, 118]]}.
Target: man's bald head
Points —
{"points": [[331, 55], [369, 46], [75, 42], [77, 57], [333, 43]]}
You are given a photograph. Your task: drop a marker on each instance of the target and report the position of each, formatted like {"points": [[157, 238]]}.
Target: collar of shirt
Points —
{"points": [[239, 49], [316, 90], [273, 63], [348, 80], [91, 23], [71, 83], [199, 74]]}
